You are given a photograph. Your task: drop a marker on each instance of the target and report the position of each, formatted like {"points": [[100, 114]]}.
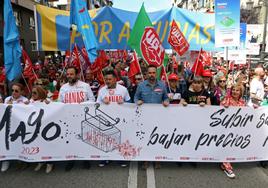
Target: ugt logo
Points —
{"points": [[151, 47]]}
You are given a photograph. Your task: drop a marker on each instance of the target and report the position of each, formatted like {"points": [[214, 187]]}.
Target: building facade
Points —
{"points": [[24, 14]]}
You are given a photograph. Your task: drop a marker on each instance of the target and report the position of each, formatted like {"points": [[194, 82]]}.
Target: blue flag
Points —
{"points": [[79, 16], [12, 49]]}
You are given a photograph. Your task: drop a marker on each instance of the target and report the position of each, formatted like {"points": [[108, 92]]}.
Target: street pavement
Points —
{"points": [[170, 175]]}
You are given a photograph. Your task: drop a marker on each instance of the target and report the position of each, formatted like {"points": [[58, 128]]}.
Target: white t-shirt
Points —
{"points": [[20, 100], [114, 95], [257, 88], [78, 93]]}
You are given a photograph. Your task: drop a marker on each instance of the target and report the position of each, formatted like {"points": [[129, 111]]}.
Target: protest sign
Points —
{"points": [[58, 132]]}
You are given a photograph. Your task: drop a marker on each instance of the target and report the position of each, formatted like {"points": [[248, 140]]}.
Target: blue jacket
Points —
{"points": [[148, 94]]}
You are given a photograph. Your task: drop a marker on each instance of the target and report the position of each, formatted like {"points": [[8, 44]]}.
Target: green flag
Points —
{"points": [[136, 34]]}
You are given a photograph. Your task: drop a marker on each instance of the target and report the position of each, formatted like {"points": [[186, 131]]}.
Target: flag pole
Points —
{"points": [[197, 62], [70, 47], [142, 77], [26, 83]]}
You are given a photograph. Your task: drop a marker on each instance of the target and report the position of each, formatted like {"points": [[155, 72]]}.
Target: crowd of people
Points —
{"points": [[219, 84]]}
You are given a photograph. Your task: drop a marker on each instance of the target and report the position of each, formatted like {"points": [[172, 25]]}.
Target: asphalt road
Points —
{"points": [[248, 175]]}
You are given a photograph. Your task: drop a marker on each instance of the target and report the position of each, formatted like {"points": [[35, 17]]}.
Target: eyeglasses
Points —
{"points": [[222, 81], [16, 91]]}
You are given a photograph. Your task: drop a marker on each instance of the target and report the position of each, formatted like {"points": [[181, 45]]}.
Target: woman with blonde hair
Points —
{"points": [[233, 99], [220, 90]]}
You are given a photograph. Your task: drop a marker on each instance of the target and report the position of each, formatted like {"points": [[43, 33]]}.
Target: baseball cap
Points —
{"points": [[173, 77], [207, 73]]}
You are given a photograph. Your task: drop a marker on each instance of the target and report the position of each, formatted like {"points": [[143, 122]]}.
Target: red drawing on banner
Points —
{"points": [[151, 47], [99, 130], [128, 151]]}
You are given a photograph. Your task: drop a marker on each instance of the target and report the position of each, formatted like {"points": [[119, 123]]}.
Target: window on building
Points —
{"points": [[33, 45], [17, 17], [31, 23]]}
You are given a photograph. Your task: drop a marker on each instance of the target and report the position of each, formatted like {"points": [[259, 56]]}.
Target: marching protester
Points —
{"points": [[257, 88], [196, 94], [39, 95], [234, 99], [220, 89], [75, 91], [112, 92], [93, 83], [151, 91], [132, 90], [173, 90], [15, 98]]}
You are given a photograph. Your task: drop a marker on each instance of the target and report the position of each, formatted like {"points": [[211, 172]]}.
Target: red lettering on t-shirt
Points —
{"points": [[74, 97], [115, 98]]}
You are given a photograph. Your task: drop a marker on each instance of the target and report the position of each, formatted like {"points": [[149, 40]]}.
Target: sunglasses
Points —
{"points": [[39, 84], [138, 78], [221, 81], [16, 91], [34, 92]]}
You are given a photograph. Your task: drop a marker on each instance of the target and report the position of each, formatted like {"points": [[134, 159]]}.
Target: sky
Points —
{"points": [[150, 5], [134, 5]]}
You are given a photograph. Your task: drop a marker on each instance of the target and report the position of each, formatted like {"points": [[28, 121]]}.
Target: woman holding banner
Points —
{"points": [[15, 98], [39, 95], [234, 99]]}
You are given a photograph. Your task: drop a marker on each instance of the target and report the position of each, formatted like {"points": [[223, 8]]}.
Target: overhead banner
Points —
{"points": [[57, 132], [112, 27], [227, 23]]}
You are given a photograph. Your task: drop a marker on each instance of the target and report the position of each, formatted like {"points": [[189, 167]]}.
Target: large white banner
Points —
{"points": [[56, 132]]}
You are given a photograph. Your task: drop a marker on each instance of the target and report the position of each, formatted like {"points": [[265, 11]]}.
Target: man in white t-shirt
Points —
{"points": [[75, 91], [257, 88], [112, 92]]}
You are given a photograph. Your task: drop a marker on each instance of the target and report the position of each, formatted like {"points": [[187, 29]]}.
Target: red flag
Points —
{"points": [[177, 40], [28, 66], [67, 58], [198, 66], [77, 58], [100, 62], [134, 67]]}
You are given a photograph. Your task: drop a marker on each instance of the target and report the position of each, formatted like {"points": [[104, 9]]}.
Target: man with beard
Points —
{"points": [[75, 91], [151, 90], [112, 92]]}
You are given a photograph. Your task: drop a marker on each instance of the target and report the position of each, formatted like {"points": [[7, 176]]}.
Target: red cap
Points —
{"points": [[173, 77], [207, 73]]}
